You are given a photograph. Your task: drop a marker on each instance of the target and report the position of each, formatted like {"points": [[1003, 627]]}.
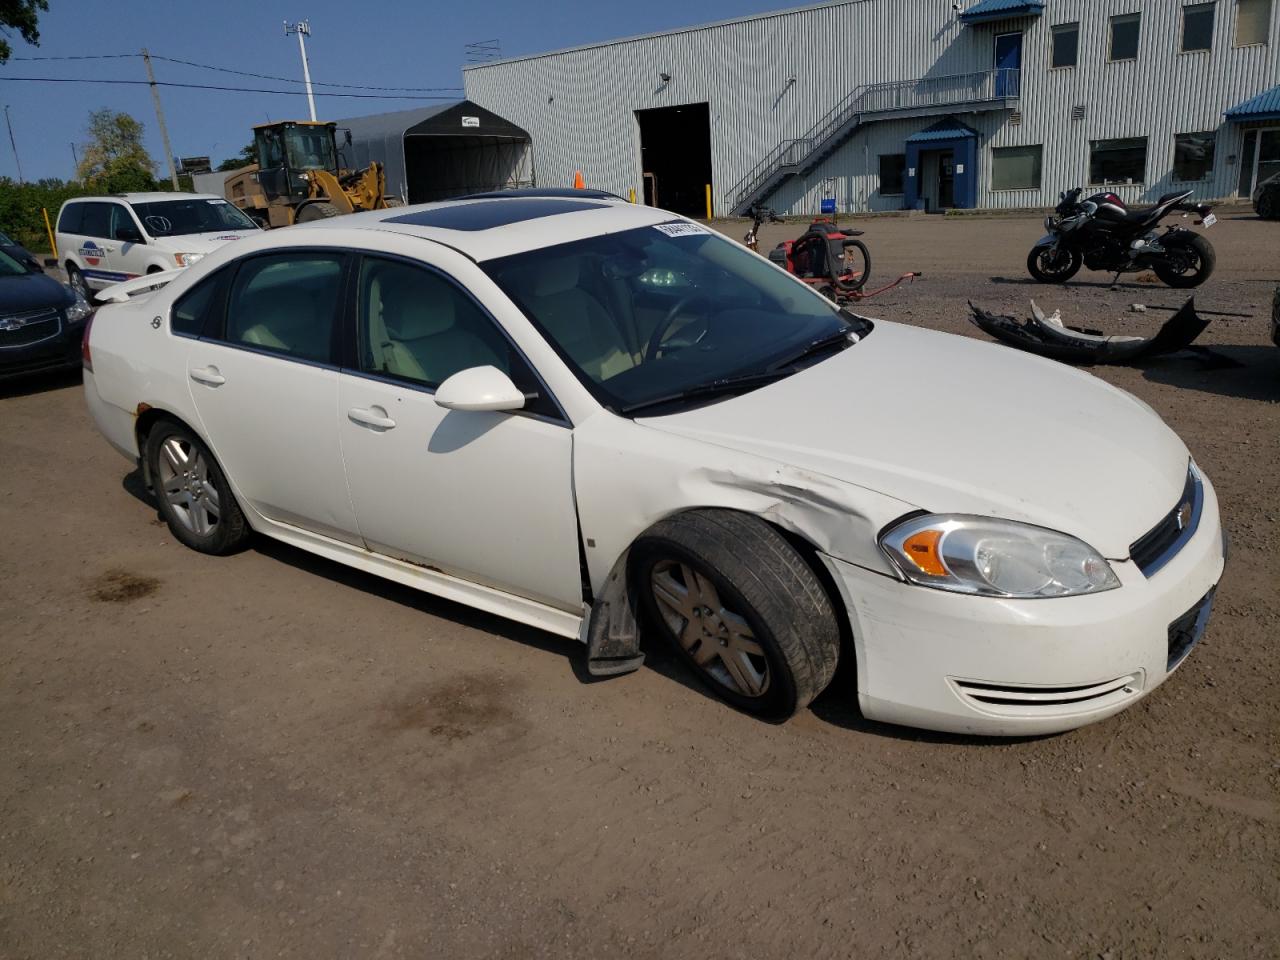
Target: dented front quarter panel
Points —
{"points": [[629, 476]]}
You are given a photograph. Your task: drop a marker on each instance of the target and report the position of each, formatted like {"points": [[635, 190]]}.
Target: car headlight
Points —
{"points": [[187, 259], [995, 558], [78, 310]]}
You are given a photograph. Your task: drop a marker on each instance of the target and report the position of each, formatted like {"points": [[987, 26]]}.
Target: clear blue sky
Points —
{"points": [[406, 44]]}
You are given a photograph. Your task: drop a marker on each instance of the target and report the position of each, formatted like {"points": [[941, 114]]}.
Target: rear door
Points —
{"points": [[486, 497], [95, 248], [265, 385]]}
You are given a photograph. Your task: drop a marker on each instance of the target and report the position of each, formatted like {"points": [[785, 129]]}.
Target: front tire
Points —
{"points": [[1268, 205], [192, 493], [1049, 266], [1197, 266], [741, 608], [321, 210]]}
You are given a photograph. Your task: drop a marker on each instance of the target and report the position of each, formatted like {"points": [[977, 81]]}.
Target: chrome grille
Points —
{"points": [[24, 329], [1161, 543]]}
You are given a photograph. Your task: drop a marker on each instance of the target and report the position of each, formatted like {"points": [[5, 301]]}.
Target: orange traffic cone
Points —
{"points": [[578, 183]]}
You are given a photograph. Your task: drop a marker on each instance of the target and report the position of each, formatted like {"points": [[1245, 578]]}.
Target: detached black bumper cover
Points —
{"points": [[1050, 337]]}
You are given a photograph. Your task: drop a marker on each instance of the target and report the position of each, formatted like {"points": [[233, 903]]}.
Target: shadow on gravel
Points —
{"points": [[1094, 284], [1253, 374], [28, 383]]}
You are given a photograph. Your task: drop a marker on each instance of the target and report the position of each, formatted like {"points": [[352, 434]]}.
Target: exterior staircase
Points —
{"points": [[929, 96]]}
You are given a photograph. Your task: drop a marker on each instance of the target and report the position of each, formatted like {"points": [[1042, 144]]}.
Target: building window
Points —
{"points": [[1118, 161], [1124, 36], [1016, 168], [1197, 27], [1193, 155], [1253, 22], [893, 168], [1066, 45]]}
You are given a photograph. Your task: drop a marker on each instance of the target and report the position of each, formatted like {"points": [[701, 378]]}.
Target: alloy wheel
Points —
{"points": [[187, 487], [718, 639]]}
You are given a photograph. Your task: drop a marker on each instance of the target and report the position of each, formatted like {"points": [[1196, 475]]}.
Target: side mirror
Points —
{"points": [[480, 388], [129, 235]]}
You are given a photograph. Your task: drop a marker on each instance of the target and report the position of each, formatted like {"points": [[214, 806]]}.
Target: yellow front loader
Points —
{"points": [[297, 178]]}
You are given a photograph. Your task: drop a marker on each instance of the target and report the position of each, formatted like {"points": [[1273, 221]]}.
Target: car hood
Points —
{"points": [[201, 242], [954, 425], [31, 291]]}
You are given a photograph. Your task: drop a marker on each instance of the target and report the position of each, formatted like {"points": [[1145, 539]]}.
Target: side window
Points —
{"points": [[287, 303], [72, 218], [417, 326], [194, 310], [121, 218], [97, 220]]}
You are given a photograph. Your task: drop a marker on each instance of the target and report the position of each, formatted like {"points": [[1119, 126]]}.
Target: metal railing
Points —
{"points": [[999, 84]]}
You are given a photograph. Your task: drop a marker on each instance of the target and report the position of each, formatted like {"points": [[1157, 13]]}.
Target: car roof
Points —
{"points": [[484, 229]]}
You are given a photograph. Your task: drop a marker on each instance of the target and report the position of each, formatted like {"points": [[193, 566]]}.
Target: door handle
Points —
{"points": [[209, 376], [374, 417]]}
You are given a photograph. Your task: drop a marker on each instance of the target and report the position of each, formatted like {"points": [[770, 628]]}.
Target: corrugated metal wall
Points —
{"points": [[578, 105]]}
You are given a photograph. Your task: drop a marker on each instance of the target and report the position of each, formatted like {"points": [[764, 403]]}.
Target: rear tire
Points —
{"points": [[741, 607], [1201, 261], [1047, 268], [1268, 205], [860, 264], [192, 492], [321, 210], [75, 280]]}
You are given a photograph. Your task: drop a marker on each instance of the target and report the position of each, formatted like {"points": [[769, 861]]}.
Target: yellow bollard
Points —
{"points": [[53, 244], [633, 194], [708, 201]]}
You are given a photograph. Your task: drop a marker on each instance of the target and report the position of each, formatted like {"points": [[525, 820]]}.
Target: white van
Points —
{"points": [[106, 240]]}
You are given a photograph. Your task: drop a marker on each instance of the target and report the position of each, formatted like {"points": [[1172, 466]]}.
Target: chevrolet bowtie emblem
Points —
{"points": [[9, 324], [1184, 515]]}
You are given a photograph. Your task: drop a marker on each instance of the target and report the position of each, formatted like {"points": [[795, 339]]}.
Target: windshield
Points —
{"points": [[310, 148], [653, 312], [5, 241], [10, 267], [175, 218]]}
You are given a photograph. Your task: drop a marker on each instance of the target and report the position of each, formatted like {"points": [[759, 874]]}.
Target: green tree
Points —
{"points": [[114, 159], [245, 157], [20, 15]]}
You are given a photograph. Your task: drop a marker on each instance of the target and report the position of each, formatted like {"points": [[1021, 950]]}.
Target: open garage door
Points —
{"points": [[435, 153]]}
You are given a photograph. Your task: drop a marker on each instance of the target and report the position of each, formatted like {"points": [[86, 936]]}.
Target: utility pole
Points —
{"points": [[303, 29], [13, 143], [164, 131], [75, 158]]}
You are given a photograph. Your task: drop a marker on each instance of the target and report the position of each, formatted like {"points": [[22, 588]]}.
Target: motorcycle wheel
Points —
{"points": [[1048, 267], [1195, 266]]}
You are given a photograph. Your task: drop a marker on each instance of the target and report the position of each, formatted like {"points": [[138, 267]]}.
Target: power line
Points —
{"points": [[241, 73], [206, 86]]}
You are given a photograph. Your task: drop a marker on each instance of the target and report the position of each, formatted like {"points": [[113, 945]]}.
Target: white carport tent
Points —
{"points": [[433, 153]]}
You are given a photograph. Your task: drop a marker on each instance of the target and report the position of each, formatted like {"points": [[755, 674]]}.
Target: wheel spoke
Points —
{"points": [[211, 502], [745, 676], [172, 485], [199, 517], [741, 637], [671, 594], [705, 590], [174, 455]]}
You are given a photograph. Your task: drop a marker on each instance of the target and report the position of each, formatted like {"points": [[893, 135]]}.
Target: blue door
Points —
{"points": [[1008, 64]]}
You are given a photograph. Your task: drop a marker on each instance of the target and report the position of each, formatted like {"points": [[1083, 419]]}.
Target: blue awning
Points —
{"points": [[948, 129], [988, 10], [1265, 106]]}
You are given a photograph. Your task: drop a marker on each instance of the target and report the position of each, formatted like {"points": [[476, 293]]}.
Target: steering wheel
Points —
{"points": [[655, 339]]}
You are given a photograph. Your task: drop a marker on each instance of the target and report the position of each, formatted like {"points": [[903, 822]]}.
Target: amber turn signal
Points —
{"points": [[922, 550]]}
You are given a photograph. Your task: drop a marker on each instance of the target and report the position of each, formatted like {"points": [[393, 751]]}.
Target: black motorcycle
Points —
{"points": [[1101, 233]]}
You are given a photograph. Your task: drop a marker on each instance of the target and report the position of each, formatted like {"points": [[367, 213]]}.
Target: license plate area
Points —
{"points": [[1209, 220], [1186, 631]]}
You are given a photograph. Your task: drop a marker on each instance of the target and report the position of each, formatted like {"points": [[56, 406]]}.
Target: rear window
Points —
{"points": [[71, 219]]}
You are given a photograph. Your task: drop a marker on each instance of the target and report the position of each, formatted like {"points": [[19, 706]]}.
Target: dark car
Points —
{"points": [[20, 253], [41, 321], [1266, 198]]}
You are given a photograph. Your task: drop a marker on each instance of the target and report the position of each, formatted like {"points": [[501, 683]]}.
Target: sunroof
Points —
{"points": [[487, 214]]}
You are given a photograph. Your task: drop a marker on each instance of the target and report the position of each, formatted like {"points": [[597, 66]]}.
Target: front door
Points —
{"points": [[486, 497], [946, 181], [265, 387], [1268, 155], [1008, 64]]}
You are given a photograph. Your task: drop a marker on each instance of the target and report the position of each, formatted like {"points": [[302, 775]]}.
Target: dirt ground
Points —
{"points": [[271, 755]]}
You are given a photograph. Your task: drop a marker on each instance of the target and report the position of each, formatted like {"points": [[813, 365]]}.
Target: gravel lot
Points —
{"points": [[271, 755]]}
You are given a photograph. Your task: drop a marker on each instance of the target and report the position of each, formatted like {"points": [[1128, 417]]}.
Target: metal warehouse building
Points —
{"points": [[915, 104]]}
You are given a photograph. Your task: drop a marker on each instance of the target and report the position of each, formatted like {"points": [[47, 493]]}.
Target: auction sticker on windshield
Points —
{"points": [[680, 229]]}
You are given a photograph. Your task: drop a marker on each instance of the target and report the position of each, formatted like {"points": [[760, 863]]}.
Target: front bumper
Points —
{"points": [[56, 353], [987, 666]]}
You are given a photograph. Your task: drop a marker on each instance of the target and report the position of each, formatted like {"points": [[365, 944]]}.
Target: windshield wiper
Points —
{"points": [[709, 389], [847, 335]]}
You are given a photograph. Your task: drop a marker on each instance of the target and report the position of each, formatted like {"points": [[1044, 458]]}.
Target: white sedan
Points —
{"points": [[611, 423]]}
